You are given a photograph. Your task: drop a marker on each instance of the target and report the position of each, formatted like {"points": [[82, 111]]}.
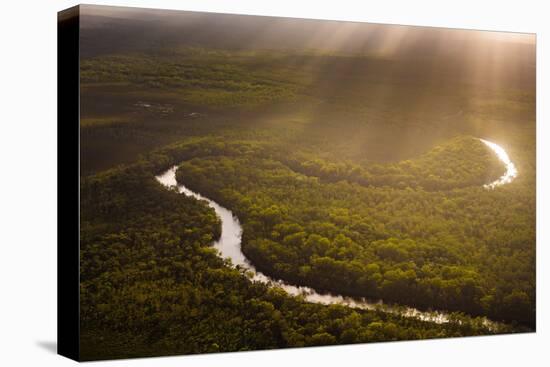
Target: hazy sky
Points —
{"points": [[329, 35], [476, 56]]}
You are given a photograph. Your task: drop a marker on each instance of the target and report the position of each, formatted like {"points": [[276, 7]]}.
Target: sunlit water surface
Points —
{"points": [[511, 170]]}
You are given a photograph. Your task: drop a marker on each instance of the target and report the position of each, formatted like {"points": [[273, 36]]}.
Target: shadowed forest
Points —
{"points": [[349, 152]]}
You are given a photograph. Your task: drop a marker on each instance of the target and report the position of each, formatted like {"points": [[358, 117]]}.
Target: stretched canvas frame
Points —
{"points": [[181, 111]]}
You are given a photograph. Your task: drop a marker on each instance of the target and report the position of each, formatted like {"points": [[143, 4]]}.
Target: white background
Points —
{"points": [[28, 183]]}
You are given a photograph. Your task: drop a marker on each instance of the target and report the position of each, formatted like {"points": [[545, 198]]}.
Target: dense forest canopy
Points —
{"points": [[356, 170], [429, 249], [151, 284]]}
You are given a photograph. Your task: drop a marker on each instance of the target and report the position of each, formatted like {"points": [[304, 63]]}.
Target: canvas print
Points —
{"points": [[251, 182]]}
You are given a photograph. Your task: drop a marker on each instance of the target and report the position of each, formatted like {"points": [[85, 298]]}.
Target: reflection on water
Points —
{"points": [[229, 246], [511, 171]]}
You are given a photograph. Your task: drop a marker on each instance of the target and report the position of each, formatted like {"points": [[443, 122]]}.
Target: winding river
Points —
{"points": [[229, 246]]}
